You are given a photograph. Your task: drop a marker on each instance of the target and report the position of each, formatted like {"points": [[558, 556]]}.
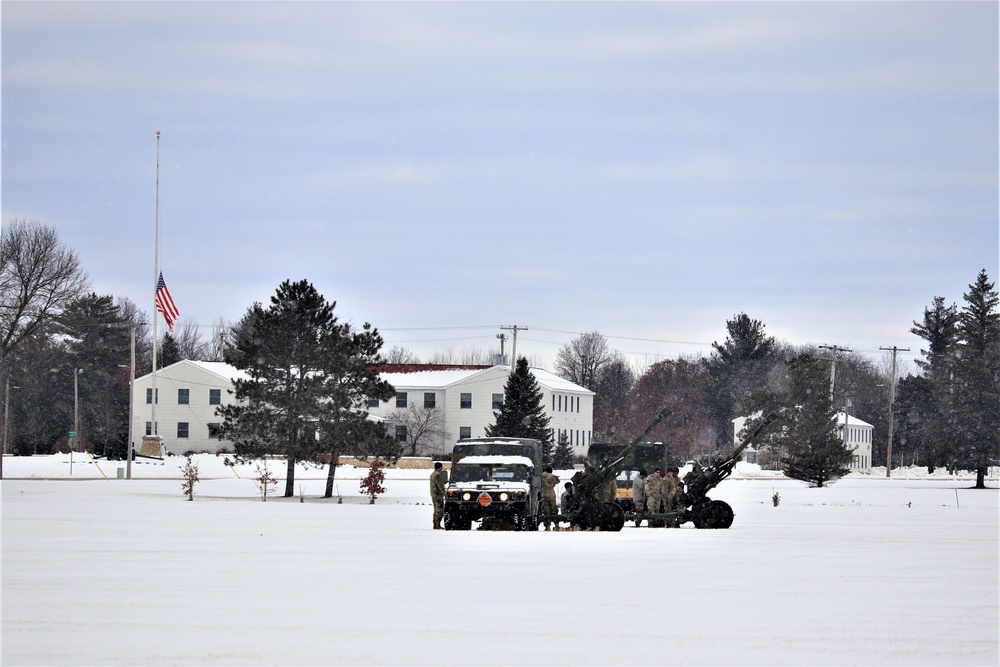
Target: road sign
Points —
{"points": [[72, 434]]}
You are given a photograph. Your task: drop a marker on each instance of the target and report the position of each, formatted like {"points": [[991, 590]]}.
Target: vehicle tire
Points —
{"points": [[601, 515], [614, 518], [713, 514], [450, 519]]}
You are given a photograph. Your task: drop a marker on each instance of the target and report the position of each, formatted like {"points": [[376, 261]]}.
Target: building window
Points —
{"points": [[149, 396], [577, 403], [401, 433], [430, 400], [183, 396], [213, 430], [497, 401], [553, 402], [182, 429], [149, 428], [464, 432], [560, 403], [373, 402], [215, 397], [400, 399], [465, 401]]}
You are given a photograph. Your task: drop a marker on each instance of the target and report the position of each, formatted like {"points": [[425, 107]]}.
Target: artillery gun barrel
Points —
{"points": [[702, 480], [587, 482]]}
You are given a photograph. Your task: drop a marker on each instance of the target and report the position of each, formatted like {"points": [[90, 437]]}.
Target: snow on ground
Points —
{"points": [[125, 572]]}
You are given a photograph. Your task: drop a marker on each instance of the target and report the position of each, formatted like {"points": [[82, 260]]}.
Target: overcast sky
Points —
{"points": [[646, 170]]}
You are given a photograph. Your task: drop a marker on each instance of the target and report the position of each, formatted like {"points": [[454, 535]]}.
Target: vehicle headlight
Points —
{"points": [[503, 497], [466, 496]]}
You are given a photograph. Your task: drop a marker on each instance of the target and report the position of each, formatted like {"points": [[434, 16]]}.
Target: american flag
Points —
{"points": [[165, 303]]}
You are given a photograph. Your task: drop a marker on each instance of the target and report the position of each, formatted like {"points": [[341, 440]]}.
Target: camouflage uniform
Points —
{"points": [[609, 492], [670, 495], [549, 482], [438, 480], [656, 501], [639, 495]]}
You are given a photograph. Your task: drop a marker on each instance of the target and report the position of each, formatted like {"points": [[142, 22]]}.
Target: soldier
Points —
{"points": [[639, 495], [655, 495], [549, 482], [609, 492], [670, 494], [438, 480]]}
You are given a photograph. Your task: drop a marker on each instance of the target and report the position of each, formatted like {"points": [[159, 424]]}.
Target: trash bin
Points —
{"points": [[121, 473]]}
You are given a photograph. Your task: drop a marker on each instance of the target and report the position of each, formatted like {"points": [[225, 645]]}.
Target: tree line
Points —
{"points": [[53, 330], [946, 414]]}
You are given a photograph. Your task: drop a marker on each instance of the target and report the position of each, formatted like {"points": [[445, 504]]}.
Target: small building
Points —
{"points": [[466, 397], [855, 433], [188, 393]]}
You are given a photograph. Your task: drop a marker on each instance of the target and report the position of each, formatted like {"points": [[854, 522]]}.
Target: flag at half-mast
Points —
{"points": [[165, 303]]}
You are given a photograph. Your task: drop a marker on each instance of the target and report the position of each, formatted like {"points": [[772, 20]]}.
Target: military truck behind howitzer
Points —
{"points": [[646, 456], [495, 481], [590, 511]]}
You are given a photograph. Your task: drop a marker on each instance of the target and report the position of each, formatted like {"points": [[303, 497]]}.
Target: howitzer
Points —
{"points": [[695, 505], [586, 509]]}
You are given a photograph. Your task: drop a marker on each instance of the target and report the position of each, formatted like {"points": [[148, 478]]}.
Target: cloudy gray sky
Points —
{"points": [[646, 170]]}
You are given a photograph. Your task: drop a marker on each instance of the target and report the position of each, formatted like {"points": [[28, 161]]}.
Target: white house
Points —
{"points": [[468, 396], [857, 435], [190, 391], [858, 438]]}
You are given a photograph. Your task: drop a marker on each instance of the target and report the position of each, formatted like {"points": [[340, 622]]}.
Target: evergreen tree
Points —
{"points": [[96, 342], [309, 377], [807, 435], [977, 380], [562, 456], [522, 414], [170, 351], [937, 419], [737, 367]]}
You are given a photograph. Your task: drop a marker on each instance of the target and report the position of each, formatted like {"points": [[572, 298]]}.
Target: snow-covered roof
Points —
{"points": [[441, 377], [496, 460], [851, 420], [220, 369]]}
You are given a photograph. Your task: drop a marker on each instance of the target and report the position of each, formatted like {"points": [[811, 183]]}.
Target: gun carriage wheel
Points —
{"points": [[712, 514]]}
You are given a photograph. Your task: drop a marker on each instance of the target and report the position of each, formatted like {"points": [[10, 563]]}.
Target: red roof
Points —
{"points": [[417, 368]]}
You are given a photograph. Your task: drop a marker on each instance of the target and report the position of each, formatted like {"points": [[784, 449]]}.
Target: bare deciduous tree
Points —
{"points": [[424, 427], [189, 342], [39, 276], [582, 360], [401, 355]]}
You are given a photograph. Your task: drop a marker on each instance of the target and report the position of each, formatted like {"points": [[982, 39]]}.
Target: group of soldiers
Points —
{"points": [[651, 494], [658, 493]]}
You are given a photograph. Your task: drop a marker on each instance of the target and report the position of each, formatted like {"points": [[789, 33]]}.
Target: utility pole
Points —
{"points": [[503, 339], [833, 366], [892, 406], [513, 350]]}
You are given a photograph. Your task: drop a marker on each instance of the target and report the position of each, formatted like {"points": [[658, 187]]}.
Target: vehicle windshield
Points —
{"points": [[485, 472]]}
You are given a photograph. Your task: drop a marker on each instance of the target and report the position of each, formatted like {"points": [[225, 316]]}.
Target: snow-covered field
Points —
{"points": [[126, 572]]}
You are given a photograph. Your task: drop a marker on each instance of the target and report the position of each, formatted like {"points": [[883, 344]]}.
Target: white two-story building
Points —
{"points": [[856, 434], [465, 396]]}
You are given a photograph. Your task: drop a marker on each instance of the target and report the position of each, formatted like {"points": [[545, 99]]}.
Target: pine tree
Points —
{"points": [[977, 380], [937, 417], [562, 455], [309, 378], [814, 451], [738, 367], [522, 414]]}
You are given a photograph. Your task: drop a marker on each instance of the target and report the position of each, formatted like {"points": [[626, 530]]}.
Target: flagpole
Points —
{"points": [[153, 430]]}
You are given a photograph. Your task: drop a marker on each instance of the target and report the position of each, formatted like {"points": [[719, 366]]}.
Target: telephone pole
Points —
{"points": [[833, 366], [892, 405], [513, 348]]}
